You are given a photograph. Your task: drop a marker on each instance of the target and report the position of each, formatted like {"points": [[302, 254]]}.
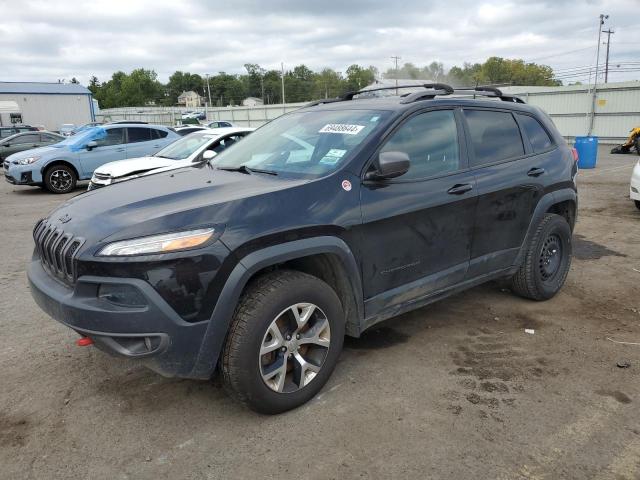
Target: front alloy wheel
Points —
{"points": [[60, 179], [284, 341], [294, 347]]}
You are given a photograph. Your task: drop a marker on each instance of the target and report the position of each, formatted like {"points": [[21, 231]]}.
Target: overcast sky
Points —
{"points": [[50, 40]]}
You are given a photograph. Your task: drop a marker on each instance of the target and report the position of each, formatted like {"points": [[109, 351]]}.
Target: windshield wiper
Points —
{"points": [[247, 170]]}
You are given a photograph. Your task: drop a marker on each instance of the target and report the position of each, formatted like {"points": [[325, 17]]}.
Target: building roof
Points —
{"points": [[44, 88]]}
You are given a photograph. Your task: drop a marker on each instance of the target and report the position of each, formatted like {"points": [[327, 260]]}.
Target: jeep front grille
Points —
{"points": [[56, 250]]}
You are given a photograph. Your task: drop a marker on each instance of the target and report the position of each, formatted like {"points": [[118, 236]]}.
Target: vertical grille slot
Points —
{"points": [[56, 250]]}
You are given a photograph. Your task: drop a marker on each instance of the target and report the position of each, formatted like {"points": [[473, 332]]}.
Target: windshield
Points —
{"points": [[306, 144], [186, 146]]}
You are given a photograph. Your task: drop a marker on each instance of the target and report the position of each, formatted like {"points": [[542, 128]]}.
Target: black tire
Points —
{"points": [[60, 179], [637, 144], [263, 301], [542, 272], [637, 202]]}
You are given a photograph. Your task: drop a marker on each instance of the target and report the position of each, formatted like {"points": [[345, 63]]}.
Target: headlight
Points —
{"points": [[165, 243], [29, 160]]}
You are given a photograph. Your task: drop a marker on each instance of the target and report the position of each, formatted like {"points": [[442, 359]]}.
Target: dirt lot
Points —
{"points": [[456, 390]]}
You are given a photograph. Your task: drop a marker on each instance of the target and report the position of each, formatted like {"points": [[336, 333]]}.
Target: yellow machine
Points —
{"points": [[632, 142]]}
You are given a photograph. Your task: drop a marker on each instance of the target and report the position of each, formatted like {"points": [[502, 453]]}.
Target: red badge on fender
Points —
{"points": [[346, 185]]}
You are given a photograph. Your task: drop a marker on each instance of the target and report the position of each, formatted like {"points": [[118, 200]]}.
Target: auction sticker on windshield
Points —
{"points": [[341, 128]]}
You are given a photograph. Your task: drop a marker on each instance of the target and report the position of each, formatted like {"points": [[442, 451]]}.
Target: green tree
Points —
{"points": [[183, 82], [359, 77]]}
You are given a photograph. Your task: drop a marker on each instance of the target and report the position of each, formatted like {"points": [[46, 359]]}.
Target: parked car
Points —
{"points": [[634, 189], [257, 267], [186, 130], [189, 150], [67, 129], [12, 130], [220, 124], [194, 115], [26, 141], [58, 167]]}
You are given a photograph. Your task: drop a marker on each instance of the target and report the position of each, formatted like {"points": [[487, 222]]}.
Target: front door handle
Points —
{"points": [[119, 149], [460, 188], [535, 172]]}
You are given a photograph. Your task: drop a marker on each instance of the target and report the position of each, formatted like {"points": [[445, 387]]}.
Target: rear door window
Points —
{"points": [[495, 136], [157, 134], [538, 136], [28, 138], [138, 134]]}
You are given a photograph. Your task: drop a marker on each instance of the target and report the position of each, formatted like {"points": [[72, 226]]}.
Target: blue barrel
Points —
{"points": [[587, 148]]}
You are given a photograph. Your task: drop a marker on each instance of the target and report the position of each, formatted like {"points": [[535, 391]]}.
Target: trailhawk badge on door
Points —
{"points": [[346, 185]]}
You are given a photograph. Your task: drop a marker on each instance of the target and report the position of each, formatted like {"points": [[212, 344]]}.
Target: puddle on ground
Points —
{"points": [[584, 249], [383, 337]]}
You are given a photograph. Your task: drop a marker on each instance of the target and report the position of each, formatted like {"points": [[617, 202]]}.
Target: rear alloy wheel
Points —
{"points": [[547, 260], [60, 179], [284, 341]]}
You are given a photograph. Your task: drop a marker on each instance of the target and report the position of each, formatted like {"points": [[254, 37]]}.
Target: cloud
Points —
{"points": [[83, 38]]}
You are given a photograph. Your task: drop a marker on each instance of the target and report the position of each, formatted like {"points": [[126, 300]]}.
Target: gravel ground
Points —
{"points": [[455, 390]]}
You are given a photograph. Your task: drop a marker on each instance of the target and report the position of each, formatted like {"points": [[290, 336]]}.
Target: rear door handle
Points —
{"points": [[460, 188], [535, 172]]}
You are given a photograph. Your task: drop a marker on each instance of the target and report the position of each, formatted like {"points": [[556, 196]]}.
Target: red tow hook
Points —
{"points": [[84, 342]]}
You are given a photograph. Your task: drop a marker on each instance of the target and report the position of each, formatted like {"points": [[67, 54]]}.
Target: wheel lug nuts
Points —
{"points": [[290, 355], [288, 337], [298, 336], [284, 349]]}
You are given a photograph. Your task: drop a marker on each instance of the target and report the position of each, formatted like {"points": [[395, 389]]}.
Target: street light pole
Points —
{"points": [[283, 101], [396, 58], [601, 20]]}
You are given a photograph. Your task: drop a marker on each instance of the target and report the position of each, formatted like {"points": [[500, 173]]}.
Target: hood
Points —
{"points": [[174, 200], [123, 168], [42, 151]]}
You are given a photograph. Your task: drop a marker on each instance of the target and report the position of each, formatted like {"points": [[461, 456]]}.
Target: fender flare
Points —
{"points": [[542, 207], [216, 332]]}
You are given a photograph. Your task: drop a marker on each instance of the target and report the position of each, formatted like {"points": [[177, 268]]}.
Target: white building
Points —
{"points": [[190, 99], [47, 104], [252, 102]]}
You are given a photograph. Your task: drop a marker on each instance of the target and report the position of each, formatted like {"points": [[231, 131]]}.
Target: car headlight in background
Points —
{"points": [[29, 160], [165, 243]]}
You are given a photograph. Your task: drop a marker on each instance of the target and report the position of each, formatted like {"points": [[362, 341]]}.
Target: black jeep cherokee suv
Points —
{"points": [[322, 223]]}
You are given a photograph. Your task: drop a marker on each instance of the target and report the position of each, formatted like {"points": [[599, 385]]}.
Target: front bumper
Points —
{"points": [[155, 334], [634, 190], [21, 174]]}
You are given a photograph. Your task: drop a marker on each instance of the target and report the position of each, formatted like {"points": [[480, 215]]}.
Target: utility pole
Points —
{"points": [[262, 87], [396, 58], [601, 20], [606, 63], [283, 102], [208, 89]]}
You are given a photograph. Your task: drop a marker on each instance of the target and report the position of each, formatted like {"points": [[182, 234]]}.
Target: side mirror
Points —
{"points": [[208, 155], [91, 145], [390, 165]]}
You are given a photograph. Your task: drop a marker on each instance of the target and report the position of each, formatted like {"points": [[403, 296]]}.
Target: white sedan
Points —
{"points": [[635, 184], [193, 148]]}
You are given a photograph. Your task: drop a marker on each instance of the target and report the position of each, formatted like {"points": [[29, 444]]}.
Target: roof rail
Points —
{"points": [[438, 86], [489, 91], [432, 90]]}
